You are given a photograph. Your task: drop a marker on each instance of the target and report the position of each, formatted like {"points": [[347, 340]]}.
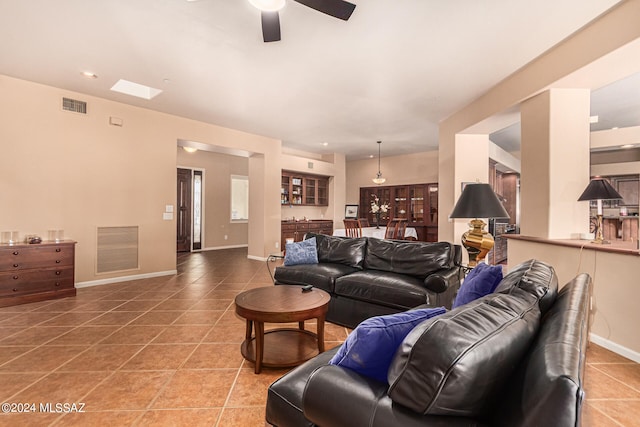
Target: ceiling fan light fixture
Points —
{"points": [[268, 5]]}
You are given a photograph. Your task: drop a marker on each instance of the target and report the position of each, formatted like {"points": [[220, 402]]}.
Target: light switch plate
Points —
{"points": [[168, 208], [167, 216]]}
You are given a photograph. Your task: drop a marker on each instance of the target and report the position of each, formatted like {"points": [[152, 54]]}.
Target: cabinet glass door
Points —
{"points": [[310, 191], [296, 190], [323, 192], [433, 204], [284, 190], [417, 204], [401, 202]]}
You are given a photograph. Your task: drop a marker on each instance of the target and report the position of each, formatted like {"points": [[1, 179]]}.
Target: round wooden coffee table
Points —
{"points": [[284, 347]]}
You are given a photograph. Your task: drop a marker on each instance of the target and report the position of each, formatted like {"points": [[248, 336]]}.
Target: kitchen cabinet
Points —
{"points": [[297, 229], [303, 189], [628, 187], [418, 203]]}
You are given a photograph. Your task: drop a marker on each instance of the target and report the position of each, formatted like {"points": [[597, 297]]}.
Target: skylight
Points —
{"points": [[135, 89]]}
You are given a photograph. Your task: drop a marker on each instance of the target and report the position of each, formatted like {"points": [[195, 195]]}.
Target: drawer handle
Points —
{"points": [[15, 289], [57, 261], [58, 249], [16, 265], [16, 252], [57, 283], [58, 273], [15, 277]]}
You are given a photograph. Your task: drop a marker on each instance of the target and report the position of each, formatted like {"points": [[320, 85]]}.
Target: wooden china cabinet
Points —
{"points": [[299, 189], [418, 203]]}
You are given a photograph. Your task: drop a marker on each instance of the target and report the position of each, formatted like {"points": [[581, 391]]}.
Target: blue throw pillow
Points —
{"points": [[304, 252], [370, 348], [481, 281]]}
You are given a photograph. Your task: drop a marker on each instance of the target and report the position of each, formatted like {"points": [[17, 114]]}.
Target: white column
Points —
{"points": [[555, 164]]}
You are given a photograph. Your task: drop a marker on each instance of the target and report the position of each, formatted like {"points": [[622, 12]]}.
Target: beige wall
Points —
{"points": [[415, 168], [604, 39], [76, 172], [615, 290], [217, 170], [569, 64]]}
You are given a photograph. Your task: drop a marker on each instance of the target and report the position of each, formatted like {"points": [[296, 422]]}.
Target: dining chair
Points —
{"points": [[352, 228], [396, 228]]}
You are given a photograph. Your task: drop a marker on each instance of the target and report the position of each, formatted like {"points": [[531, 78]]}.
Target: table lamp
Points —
{"points": [[599, 189], [478, 200]]}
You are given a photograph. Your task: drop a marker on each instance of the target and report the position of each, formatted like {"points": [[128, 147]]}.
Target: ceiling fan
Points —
{"points": [[271, 19]]}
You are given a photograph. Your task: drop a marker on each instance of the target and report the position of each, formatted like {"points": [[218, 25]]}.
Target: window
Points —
{"points": [[196, 241], [239, 198]]}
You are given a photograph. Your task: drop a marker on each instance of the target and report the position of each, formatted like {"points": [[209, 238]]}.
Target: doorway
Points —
{"points": [[189, 210]]}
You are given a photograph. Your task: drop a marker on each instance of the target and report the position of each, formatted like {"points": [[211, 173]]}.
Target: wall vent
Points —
{"points": [[74, 105], [117, 249]]}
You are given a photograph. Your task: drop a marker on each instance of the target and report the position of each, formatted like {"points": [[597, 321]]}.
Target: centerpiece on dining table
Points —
{"points": [[378, 208]]}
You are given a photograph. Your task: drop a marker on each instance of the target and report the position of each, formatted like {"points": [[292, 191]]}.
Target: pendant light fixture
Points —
{"points": [[379, 179]]}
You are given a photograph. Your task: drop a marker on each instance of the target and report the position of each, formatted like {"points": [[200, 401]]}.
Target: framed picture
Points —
{"points": [[351, 211]]}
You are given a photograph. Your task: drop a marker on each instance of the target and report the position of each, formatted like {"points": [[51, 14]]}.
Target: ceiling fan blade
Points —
{"points": [[270, 26], [337, 8]]}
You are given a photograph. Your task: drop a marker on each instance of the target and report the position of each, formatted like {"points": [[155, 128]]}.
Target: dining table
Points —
{"points": [[378, 233]]}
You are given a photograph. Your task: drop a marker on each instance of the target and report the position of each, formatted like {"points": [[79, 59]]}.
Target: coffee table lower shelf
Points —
{"points": [[283, 348]]}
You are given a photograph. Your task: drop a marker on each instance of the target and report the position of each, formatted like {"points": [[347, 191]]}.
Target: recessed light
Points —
{"points": [[89, 75], [615, 128], [371, 156], [627, 146], [190, 149], [325, 144], [135, 89]]}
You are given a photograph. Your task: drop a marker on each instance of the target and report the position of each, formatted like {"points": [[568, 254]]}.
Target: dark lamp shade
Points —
{"points": [[478, 201], [599, 189]]}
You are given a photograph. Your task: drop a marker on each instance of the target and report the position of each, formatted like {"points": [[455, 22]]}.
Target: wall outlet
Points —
{"points": [[226, 237], [277, 245]]}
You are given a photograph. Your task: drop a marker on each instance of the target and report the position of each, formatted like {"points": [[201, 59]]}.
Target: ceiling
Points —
{"points": [[391, 73]]}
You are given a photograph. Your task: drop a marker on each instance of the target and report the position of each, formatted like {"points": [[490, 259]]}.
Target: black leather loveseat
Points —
{"points": [[512, 358], [370, 277]]}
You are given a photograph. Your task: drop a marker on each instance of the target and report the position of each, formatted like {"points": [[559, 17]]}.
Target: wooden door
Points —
{"points": [[183, 220]]}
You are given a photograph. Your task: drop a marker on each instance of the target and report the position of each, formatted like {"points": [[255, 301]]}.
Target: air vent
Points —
{"points": [[117, 249], [74, 105]]}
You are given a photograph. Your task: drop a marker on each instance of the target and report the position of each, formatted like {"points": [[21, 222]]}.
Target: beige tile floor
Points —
{"points": [[165, 351]]}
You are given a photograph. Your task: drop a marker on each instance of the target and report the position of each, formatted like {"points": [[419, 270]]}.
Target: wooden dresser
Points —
{"points": [[36, 272], [297, 229]]}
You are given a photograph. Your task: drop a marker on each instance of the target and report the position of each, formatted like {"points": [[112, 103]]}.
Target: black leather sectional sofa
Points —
{"points": [[512, 358], [371, 277]]}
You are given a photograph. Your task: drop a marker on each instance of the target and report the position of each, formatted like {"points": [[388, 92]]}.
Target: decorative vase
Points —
{"points": [[378, 220]]}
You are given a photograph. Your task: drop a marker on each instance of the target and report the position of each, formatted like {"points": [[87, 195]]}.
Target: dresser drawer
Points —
{"points": [[23, 257], [19, 282], [302, 227], [288, 227]]}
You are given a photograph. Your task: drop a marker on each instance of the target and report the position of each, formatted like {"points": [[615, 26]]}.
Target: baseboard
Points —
{"points": [[217, 248], [616, 348], [124, 278], [257, 258]]}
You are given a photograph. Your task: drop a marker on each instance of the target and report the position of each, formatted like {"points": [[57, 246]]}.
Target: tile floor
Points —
{"points": [[165, 351]]}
